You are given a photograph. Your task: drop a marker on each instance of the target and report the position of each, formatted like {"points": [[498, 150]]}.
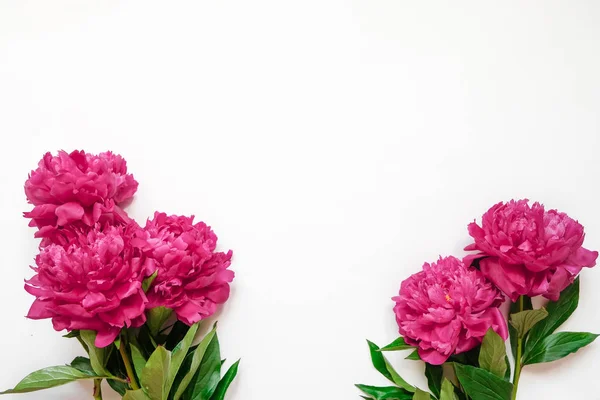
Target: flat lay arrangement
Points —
{"points": [[135, 296], [449, 314]]}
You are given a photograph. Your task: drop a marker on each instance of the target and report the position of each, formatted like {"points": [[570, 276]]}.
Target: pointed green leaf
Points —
{"points": [[378, 361], [224, 383], [196, 360], [98, 356], [434, 375], [385, 392], [492, 356], [179, 353], [525, 320], [84, 365], [118, 386], [384, 367], [139, 361], [156, 318], [507, 372], [398, 344], [135, 395], [155, 374], [481, 384], [413, 356], [558, 312], [207, 378], [421, 395], [514, 308], [447, 392], [49, 377], [397, 379], [557, 346]]}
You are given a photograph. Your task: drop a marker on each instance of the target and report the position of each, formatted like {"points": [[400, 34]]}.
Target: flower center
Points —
{"points": [[448, 298]]}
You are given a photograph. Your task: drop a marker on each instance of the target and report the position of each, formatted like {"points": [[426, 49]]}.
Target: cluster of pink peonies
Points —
{"points": [[523, 250], [94, 259]]}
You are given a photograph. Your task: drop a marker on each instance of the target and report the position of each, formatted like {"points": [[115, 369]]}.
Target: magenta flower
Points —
{"points": [[77, 187], [446, 309], [526, 250], [192, 278], [93, 282]]}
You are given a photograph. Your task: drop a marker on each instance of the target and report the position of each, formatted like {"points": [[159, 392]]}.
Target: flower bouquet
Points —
{"points": [[449, 317], [133, 296]]}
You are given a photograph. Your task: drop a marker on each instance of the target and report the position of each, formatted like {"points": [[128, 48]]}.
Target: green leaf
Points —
{"points": [[481, 384], [156, 318], [155, 374], [398, 344], [49, 377], [148, 281], [507, 372], [558, 312], [98, 356], [447, 392], [434, 375], [525, 320], [397, 379], [492, 356], [224, 383], [385, 392], [557, 346], [135, 395], [514, 308], [207, 378], [72, 334], [384, 367], [84, 365], [378, 360], [413, 356], [421, 395], [138, 359], [196, 360], [118, 386], [178, 355]]}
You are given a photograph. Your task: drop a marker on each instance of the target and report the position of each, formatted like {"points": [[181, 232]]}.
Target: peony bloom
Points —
{"points": [[526, 250], [92, 282], [447, 309], [192, 278], [77, 187]]}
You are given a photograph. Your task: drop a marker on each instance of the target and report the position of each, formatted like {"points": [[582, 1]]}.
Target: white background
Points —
{"points": [[334, 145]]}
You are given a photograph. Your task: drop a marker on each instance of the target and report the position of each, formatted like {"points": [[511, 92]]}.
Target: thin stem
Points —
{"points": [[518, 363], [127, 363], [97, 389]]}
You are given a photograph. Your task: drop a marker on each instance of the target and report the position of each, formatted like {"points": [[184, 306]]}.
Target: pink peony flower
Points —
{"points": [[192, 278], [447, 309], [526, 250], [77, 187], [92, 282]]}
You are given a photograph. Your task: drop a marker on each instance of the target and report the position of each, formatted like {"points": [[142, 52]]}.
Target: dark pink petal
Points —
{"points": [[493, 270], [106, 336], [69, 212], [432, 356]]}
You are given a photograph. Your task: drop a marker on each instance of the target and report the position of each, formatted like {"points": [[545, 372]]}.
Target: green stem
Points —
{"points": [[97, 389], [518, 363], [127, 363]]}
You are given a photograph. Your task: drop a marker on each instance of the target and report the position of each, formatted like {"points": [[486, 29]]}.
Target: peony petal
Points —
{"points": [[493, 270], [583, 257], [40, 309], [106, 336], [432, 356], [69, 212]]}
